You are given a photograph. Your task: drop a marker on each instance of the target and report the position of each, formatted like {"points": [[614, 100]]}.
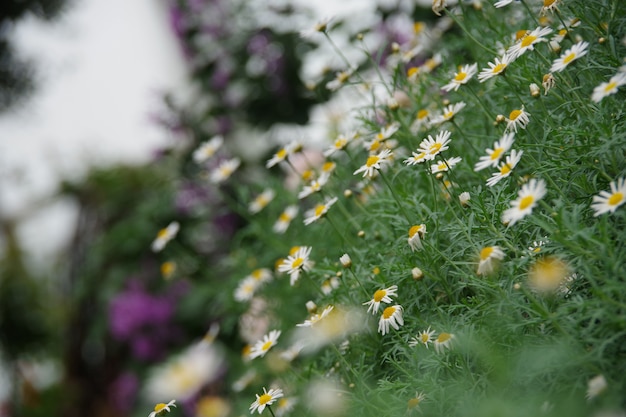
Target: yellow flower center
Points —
{"points": [[425, 337], [372, 160], [340, 143], [444, 337], [498, 68], [485, 253], [610, 87], [442, 166], [328, 166], [526, 202], [281, 154], [569, 58], [379, 295], [528, 40], [422, 114], [257, 274], [297, 263], [412, 72], [376, 270], [435, 148], [413, 402], [388, 312], [266, 345], [159, 407], [284, 217], [415, 229], [225, 170], [615, 199], [343, 76], [319, 209], [264, 399], [448, 115], [520, 34], [505, 169], [562, 32], [514, 114], [293, 250], [162, 234], [496, 153], [460, 76], [168, 268], [548, 3], [418, 27]]}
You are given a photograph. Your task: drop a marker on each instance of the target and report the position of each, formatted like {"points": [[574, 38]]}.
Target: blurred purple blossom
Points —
{"points": [[123, 392]]}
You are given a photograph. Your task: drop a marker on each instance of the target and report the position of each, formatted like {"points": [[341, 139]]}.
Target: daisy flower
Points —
{"points": [[431, 63], [432, 147], [387, 131], [266, 399], [168, 269], [536, 246], [464, 198], [531, 192], [381, 296], [503, 3], [416, 233], [498, 67], [444, 165], [329, 285], [161, 408], [443, 342], [315, 318], [548, 274], [261, 201], [595, 386], [246, 289], [607, 89], [341, 78], [285, 218], [345, 260], [313, 187], [549, 6], [505, 168], [285, 406], [391, 317], [517, 118], [576, 51], [207, 149], [415, 158], [339, 144], [422, 118], [548, 81], [424, 337], [296, 263], [373, 163], [488, 257], [265, 344], [224, 170], [414, 402], [462, 77], [528, 42], [609, 201], [283, 153], [319, 27], [319, 211], [164, 236], [448, 113], [261, 275], [500, 147]]}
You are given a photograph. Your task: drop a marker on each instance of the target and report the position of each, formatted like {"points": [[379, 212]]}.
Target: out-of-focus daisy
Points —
{"points": [[285, 218], [285, 406], [503, 3], [528, 42], [320, 27], [164, 236], [443, 342], [415, 158], [374, 163], [313, 187], [339, 144], [387, 131], [489, 255], [548, 274], [608, 88], [549, 6], [261, 275], [461, 77], [548, 81], [576, 51], [431, 63], [425, 337], [207, 149], [438, 6], [448, 113], [168, 269], [246, 289], [414, 402], [416, 234], [517, 117], [498, 67], [265, 400], [536, 246], [391, 317], [296, 263], [432, 147], [422, 119], [329, 285], [345, 260], [500, 147], [161, 409], [531, 192], [595, 386], [318, 211], [315, 318], [444, 165], [606, 201], [506, 168], [224, 170], [381, 296], [283, 153], [261, 201], [341, 78], [265, 344]]}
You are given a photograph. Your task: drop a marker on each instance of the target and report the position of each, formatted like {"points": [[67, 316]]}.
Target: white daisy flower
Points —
{"points": [[373, 163], [444, 165], [576, 51], [517, 118], [265, 344], [266, 399], [164, 236], [461, 77], [528, 42], [448, 113], [498, 67], [488, 257], [500, 147], [207, 149], [381, 296], [391, 317], [161, 408], [528, 196], [606, 201], [416, 234], [443, 342], [296, 263], [505, 167], [224, 170], [425, 337], [261, 201], [432, 147], [609, 88], [318, 211]]}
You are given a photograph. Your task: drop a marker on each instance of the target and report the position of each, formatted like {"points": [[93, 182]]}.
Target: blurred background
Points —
{"points": [[101, 105]]}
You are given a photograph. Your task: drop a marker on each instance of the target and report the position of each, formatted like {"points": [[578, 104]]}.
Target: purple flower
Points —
{"points": [[123, 392]]}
